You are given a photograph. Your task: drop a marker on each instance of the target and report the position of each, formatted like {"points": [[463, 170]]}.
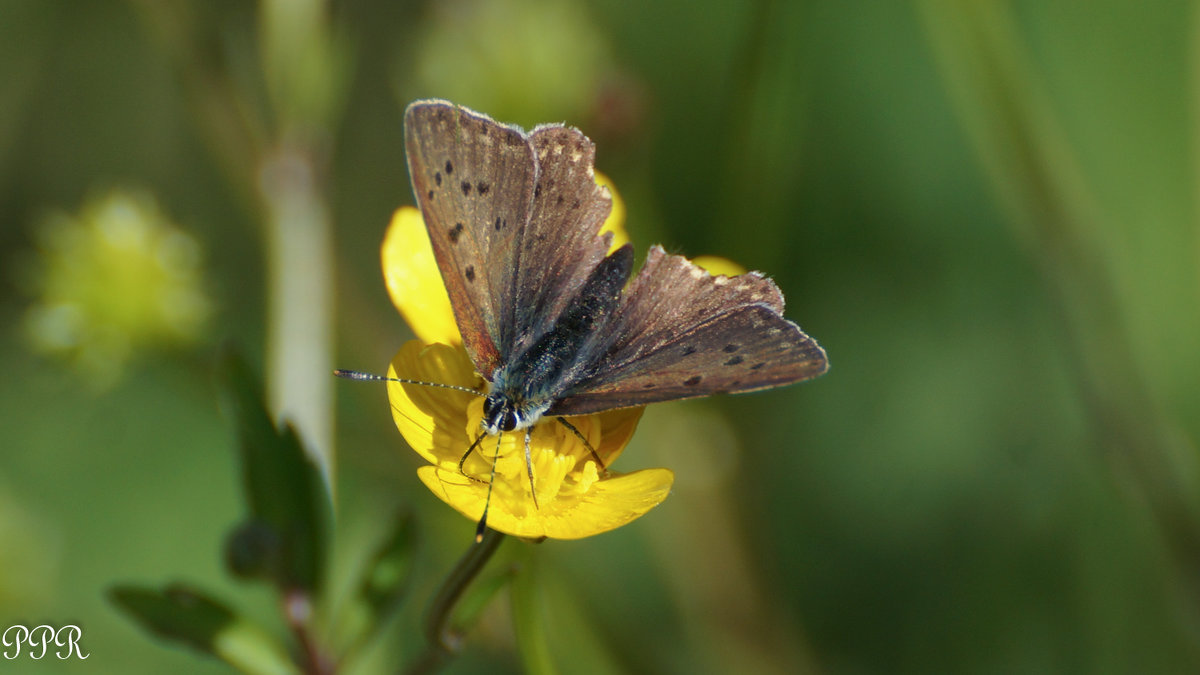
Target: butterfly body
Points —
{"points": [[524, 388], [548, 316]]}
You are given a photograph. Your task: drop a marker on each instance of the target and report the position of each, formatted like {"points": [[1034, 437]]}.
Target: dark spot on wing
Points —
{"points": [[730, 348], [692, 381], [437, 178], [649, 385], [688, 350], [482, 187], [499, 224], [466, 188], [449, 168], [734, 383], [559, 200], [430, 195], [455, 232], [469, 273], [575, 204], [735, 360], [757, 366], [537, 190]]}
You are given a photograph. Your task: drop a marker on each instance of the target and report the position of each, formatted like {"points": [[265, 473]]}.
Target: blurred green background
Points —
{"points": [[985, 212]]}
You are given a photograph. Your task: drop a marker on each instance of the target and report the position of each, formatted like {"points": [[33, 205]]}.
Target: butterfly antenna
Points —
{"points": [[372, 377], [579, 435], [487, 502], [529, 466]]}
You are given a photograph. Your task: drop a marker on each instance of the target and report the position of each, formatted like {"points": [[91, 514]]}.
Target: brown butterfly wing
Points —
{"points": [[474, 180], [681, 332], [561, 244]]}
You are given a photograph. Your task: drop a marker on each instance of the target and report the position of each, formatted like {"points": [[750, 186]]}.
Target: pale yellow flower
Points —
{"points": [[113, 279]]}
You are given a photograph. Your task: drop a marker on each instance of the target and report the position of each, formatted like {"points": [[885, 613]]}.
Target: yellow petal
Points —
{"points": [[615, 222], [608, 504], [718, 265], [575, 498], [617, 428], [413, 280], [432, 419]]}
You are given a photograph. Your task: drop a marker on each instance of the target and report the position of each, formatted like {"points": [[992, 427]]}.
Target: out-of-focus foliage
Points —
{"points": [[986, 215], [545, 59]]}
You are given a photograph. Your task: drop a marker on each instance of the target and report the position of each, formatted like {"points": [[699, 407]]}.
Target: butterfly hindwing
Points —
{"points": [[681, 332], [670, 295], [474, 180], [561, 244], [754, 348]]}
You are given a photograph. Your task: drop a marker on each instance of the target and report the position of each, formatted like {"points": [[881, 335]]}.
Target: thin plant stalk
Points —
{"points": [[443, 638]]}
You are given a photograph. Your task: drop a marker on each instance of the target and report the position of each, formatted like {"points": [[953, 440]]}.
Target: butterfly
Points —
{"points": [[549, 317]]}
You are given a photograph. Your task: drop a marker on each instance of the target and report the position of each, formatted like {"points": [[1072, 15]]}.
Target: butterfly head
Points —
{"points": [[501, 413]]}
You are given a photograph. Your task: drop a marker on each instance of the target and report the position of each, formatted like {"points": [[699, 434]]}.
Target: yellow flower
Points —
{"points": [[112, 280], [575, 497]]}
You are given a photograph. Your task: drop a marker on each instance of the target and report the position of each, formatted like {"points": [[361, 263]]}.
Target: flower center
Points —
{"points": [[562, 465]]}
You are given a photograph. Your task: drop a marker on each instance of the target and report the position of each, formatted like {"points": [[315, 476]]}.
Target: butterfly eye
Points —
{"points": [[489, 405], [498, 414]]}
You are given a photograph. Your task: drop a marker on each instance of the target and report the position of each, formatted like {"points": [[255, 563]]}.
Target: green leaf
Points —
{"points": [[478, 596], [181, 614], [284, 539], [385, 578], [381, 587]]}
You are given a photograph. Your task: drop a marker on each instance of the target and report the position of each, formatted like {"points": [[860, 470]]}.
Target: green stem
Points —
{"points": [[529, 616], [300, 303], [443, 639], [297, 611]]}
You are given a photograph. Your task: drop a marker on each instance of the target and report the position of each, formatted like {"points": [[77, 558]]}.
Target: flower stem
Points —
{"points": [[443, 639], [297, 611], [529, 618]]}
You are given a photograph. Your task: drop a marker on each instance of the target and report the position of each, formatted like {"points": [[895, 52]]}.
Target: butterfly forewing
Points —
{"points": [[474, 181]]}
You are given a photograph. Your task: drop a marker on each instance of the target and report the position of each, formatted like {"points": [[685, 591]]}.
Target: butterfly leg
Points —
{"points": [[463, 459], [579, 435], [529, 465]]}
